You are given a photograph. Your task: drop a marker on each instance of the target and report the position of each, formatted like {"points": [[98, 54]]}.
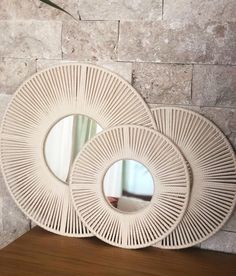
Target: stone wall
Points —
{"points": [[174, 52]]}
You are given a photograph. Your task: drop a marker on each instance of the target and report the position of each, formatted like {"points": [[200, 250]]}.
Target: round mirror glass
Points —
{"points": [[65, 140], [128, 186]]}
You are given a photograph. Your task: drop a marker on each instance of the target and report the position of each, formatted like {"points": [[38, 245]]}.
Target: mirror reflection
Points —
{"points": [[65, 140], [128, 186]]}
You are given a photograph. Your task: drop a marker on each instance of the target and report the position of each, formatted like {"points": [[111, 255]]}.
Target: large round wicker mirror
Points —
{"points": [[64, 140], [128, 186], [40, 102]]}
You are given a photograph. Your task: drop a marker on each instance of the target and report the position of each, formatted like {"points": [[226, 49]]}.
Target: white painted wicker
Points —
{"points": [[38, 104], [213, 165], [171, 181]]}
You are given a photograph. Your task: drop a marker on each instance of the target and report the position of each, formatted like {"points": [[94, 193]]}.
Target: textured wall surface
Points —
{"points": [[174, 52]]}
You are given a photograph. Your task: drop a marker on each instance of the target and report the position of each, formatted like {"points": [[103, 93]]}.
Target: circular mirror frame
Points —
{"points": [[37, 105], [171, 186], [213, 165]]}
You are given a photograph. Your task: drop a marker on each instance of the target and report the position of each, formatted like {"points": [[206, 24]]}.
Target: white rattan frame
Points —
{"points": [[213, 165], [171, 181], [38, 104]]}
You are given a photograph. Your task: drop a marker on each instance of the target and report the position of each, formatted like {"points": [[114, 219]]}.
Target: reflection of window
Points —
{"points": [[58, 147], [129, 178], [113, 180], [65, 140], [137, 179]]}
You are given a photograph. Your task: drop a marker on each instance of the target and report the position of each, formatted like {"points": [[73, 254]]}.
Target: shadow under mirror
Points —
{"points": [[65, 139], [128, 186]]}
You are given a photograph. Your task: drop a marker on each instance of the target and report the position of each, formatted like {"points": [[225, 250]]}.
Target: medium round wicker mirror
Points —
{"points": [[170, 175]]}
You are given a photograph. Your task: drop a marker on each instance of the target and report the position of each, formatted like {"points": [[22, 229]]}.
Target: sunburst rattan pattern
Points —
{"points": [[38, 104], [212, 162], [171, 181]]}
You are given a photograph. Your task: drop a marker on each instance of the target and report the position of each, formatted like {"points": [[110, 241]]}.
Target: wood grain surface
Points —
{"points": [[39, 252]]}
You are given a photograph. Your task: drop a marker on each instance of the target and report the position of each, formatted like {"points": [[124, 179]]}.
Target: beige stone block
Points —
{"points": [[4, 101], [232, 139], [221, 241], [13, 72], [120, 10], [124, 69], [12, 221], [224, 118], [30, 39], [163, 83], [90, 40], [34, 9], [200, 11], [214, 85], [164, 42], [230, 225]]}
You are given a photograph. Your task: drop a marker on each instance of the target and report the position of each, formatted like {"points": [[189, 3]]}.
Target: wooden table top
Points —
{"points": [[42, 253]]}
